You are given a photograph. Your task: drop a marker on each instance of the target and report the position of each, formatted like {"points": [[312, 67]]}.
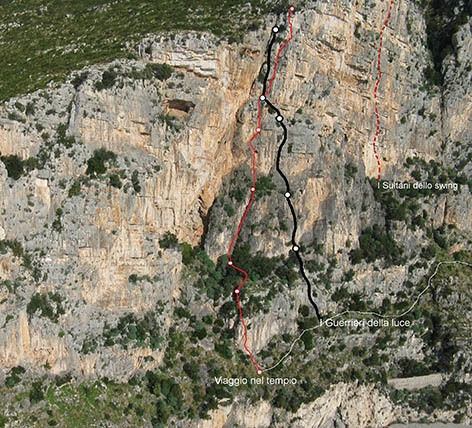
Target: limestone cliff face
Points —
{"points": [[333, 57], [325, 88], [185, 137], [107, 235], [343, 406]]}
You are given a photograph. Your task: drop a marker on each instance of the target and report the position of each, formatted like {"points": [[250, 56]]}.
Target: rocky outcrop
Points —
{"points": [[183, 140], [105, 240], [344, 405]]}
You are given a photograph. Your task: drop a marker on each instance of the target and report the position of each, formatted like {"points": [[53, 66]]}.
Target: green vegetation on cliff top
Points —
{"points": [[43, 41]]}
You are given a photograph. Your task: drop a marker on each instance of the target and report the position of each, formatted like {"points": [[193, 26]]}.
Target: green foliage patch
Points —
{"points": [[47, 305], [160, 71], [97, 164], [374, 244], [169, 240], [133, 331], [107, 81], [17, 167]]}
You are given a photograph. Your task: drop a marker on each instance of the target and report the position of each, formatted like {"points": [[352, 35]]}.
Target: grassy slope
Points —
{"points": [[42, 41]]}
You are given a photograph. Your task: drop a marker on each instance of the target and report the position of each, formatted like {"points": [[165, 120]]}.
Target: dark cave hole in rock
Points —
{"points": [[181, 105]]}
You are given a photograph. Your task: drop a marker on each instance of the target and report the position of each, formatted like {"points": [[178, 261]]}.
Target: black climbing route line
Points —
{"points": [[267, 87], [269, 51], [288, 194]]}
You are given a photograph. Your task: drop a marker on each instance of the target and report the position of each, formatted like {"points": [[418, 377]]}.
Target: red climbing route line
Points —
{"points": [[251, 200], [376, 87]]}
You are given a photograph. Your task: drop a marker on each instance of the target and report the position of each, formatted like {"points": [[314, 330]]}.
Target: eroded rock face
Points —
{"points": [[344, 405], [106, 234], [347, 405], [185, 137]]}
